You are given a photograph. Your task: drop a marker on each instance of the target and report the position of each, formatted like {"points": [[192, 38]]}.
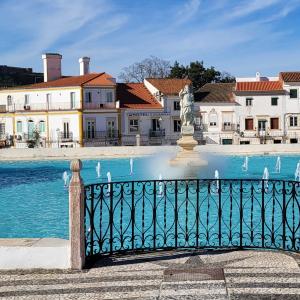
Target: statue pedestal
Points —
{"points": [[187, 157]]}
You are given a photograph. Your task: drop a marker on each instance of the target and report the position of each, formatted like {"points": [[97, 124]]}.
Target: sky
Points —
{"points": [[237, 36]]}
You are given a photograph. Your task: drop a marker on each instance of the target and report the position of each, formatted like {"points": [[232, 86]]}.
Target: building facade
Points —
{"points": [[62, 111], [93, 110]]}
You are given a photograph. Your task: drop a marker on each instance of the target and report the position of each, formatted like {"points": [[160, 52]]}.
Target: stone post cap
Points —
{"points": [[76, 165]]}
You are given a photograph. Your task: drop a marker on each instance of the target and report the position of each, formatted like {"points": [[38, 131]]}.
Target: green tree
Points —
{"points": [[199, 74], [178, 71]]}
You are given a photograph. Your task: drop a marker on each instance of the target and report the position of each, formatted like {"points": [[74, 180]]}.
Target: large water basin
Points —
{"points": [[34, 200]]}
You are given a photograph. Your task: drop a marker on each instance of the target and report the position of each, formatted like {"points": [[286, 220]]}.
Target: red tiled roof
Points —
{"points": [[92, 79], [259, 86], [135, 95], [215, 92], [290, 76], [104, 80], [169, 86]]}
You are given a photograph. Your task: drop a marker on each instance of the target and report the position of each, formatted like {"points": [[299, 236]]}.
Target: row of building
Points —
{"points": [[92, 109]]}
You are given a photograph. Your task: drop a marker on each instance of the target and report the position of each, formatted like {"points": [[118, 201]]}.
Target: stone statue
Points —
{"points": [[186, 106]]}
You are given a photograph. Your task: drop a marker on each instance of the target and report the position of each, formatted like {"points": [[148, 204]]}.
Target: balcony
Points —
{"points": [[39, 107], [65, 137], [229, 127], [101, 135], [111, 105], [157, 133]]}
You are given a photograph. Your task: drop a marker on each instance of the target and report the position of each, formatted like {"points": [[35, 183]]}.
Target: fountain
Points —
{"points": [[187, 156], [131, 166], [109, 181], [217, 177], [278, 165], [65, 178], [98, 170], [160, 185], [266, 176], [245, 164], [297, 172]]}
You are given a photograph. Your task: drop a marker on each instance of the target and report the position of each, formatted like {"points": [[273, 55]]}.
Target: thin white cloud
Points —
{"points": [[46, 24], [249, 7], [187, 11]]}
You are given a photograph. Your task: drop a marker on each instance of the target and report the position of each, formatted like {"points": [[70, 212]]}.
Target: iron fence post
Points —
{"points": [[283, 215], [241, 214], [76, 216], [220, 212], [263, 214]]}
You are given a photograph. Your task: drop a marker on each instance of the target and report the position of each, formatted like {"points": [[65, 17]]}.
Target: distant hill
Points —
{"points": [[15, 76]]}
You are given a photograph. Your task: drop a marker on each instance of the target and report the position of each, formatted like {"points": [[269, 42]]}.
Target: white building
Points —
{"points": [[92, 110], [65, 111], [217, 106], [269, 108], [151, 110]]}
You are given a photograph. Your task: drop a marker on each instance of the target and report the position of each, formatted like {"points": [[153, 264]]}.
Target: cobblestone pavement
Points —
{"points": [[165, 275]]}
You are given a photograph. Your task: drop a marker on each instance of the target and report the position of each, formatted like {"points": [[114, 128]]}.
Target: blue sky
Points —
{"points": [[237, 36]]}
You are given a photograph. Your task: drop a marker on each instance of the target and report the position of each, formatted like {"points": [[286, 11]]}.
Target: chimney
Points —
{"points": [[52, 66], [84, 65], [257, 75]]}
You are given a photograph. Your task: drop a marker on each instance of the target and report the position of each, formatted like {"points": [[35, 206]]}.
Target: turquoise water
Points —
{"points": [[34, 201]]}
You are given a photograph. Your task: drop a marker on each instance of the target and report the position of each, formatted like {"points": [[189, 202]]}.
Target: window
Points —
{"points": [[110, 128], [177, 125], [109, 97], [48, 100], [248, 124], [274, 123], [249, 101], [274, 101], [66, 132], [73, 100], [90, 129], [226, 141], [293, 93], [293, 121], [30, 128], [176, 105], [2, 129], [26, 100], [133, 125], [42, 126], [213, 120], [9, 100], [88, 97], [19, 127]]}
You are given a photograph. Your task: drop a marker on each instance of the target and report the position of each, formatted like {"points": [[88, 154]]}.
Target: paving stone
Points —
{"points": [[173, 275]]}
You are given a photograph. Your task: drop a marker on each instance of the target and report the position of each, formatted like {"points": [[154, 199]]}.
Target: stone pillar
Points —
{"points": [[76, 217], [138, 139]]}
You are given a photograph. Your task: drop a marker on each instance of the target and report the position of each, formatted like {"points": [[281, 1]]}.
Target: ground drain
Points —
{"points": [[193, 274]]}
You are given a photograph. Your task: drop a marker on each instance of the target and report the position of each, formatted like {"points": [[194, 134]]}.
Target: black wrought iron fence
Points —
{"points": [[194, 213]]}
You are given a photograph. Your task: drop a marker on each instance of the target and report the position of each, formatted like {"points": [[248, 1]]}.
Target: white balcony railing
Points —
{"points": [[41, 106], [92, 105]]}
